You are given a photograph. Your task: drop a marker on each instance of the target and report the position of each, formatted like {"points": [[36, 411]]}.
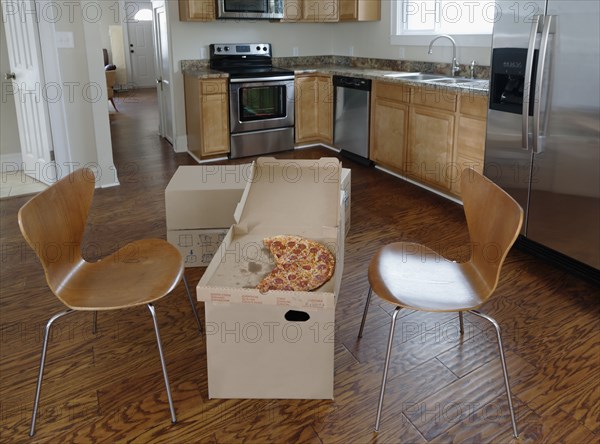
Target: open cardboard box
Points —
{"points": [[279, 344]]}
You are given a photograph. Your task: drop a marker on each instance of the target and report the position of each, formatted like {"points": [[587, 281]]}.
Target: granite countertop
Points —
{"points": [[479, 87]]}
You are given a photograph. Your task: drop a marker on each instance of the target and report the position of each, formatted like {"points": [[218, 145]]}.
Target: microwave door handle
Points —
{"points": [[527, 81], [539, 81]]}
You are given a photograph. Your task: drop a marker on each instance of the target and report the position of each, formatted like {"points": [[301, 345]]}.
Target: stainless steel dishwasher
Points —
{"points": [[351, 124]]}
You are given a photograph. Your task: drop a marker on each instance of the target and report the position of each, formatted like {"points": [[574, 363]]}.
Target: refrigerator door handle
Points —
{"points": [[527, 83], [549, 21]]}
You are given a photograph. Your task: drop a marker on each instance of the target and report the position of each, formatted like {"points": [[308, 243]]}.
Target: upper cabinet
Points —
{"points": [[306, 11], [197, 10], [323, 11]]}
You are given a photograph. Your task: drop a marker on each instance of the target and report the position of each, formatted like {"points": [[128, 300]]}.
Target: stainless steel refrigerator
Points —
{"points": [[543, 131]]}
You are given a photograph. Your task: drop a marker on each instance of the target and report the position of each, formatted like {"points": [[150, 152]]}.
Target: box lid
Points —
{"points": [[291, 193]]}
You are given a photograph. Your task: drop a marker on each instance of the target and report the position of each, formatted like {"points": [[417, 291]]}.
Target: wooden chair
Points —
{"points": [[111, 78], [413, 276], [140, 273]]}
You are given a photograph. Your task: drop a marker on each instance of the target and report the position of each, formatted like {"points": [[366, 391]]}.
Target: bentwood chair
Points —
{"points": [[413, 276], [140, 273]]}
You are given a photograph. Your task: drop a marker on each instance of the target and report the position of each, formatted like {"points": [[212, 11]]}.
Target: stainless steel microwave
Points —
{"points": [[249, 9]]}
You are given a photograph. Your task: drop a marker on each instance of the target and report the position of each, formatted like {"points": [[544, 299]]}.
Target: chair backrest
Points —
{"points": [[494, 220], [53, 223], [111, 78]]}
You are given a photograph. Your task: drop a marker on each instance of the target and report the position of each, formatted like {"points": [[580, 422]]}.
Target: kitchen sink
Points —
{"points": [[451, 80], [418, 76]]}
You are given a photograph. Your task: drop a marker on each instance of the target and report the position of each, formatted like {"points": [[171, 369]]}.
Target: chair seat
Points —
{"points": [[139, 273], [414, 276]]}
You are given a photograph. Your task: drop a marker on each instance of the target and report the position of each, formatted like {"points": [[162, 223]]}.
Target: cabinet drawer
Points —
{"points": [[472, 105], [435, 98], [213, 86], [395, 92]]}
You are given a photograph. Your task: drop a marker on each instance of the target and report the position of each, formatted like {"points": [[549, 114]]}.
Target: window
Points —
{"points": [[143, 15], [473, 19]]}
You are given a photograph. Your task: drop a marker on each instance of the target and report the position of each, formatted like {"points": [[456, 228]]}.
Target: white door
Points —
{"points": [[24, 55], [141, 49], [163, 77]]}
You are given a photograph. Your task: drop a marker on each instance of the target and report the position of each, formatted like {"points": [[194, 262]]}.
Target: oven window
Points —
{"points": [[245, 6], [262, 102]]}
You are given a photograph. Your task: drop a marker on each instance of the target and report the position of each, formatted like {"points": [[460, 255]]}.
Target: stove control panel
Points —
{"points": [[240, 49]]}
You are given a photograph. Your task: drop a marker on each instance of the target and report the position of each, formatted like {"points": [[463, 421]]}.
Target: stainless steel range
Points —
{"points": [[261, 98]]}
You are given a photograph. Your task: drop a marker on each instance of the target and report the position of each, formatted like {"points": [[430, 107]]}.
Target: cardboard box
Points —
{"points": [[197, 246], [205, 196], [346, 188], [279, 344], [200, 201]]}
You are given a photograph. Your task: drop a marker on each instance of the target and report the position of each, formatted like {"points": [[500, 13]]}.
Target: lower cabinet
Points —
{"points": [[314, 109], [428, 134], [389, 124], [207, 116], [431, 136], [469, 144]]}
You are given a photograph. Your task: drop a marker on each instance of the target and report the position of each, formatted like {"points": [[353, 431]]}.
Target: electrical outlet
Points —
{"points": [[202, 53], [295, 51], [351, 51], [401, 52]]}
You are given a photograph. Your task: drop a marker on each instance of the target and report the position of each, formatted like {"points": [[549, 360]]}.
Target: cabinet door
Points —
{"points": [[325, 109], [431, 138], [469, 146], [292, 11], [348, 10], [306, 97], [197, 10], [320, 10], [389, 127], [215, 124]]}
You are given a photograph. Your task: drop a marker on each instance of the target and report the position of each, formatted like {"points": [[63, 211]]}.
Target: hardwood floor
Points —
{"points": [[442, 387]]}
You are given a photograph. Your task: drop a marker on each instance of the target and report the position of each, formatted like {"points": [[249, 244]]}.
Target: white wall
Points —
{"points": [[10, 147], [80, 125], [372, 39]]}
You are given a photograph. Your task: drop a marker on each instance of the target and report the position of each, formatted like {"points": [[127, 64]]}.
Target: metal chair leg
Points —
{"points": [[162, 363], [41, 372], [364, 318], [189, 294], [504, 369], [462, 323], [385, 369]]}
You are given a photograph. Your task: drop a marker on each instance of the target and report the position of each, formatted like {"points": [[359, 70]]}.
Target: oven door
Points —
{"points": [[259, 104]]}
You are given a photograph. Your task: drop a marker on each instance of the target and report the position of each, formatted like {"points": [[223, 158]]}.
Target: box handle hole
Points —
{"points": [[297, 316]]}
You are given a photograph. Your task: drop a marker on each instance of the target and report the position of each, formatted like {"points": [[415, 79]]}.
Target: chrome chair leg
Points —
{"points": [[364, 318], [162, 363], [461, 322], [385, 369], [504, 369], [42, 362], [95, 323], [189, 294]]}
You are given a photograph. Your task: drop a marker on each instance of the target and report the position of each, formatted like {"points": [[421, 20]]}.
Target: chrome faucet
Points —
{"points": [[455, 68]]}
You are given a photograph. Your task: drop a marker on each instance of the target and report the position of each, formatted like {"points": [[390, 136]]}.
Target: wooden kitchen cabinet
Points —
{"points": [[314, 109], [207, 116], [431, 136], [322, 11], [197, 10], [428, 134], [389, 124], [469, 145]]}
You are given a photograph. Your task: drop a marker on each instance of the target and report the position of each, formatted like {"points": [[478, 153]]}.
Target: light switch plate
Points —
{"points": [[64, 40]]}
